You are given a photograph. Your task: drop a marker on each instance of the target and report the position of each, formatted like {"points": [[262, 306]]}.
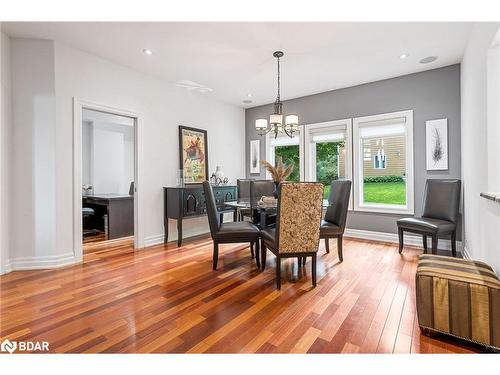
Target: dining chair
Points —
{"points": [[440, 216], [232, 232], [258, 189], [243, 186], [333, 224], [297, 225]]}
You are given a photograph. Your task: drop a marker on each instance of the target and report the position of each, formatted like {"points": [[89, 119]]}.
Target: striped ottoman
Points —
{"points": [[460, 298]]}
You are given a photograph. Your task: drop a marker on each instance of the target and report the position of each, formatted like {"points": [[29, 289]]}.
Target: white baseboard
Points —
{"points": [[393, 238], [153, 240], [40, 263]]}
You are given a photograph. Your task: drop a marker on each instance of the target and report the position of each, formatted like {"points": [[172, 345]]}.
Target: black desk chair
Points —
{"points": [[297, 225], [333, 225], [86, 213], [233, 232], [441, 204]]}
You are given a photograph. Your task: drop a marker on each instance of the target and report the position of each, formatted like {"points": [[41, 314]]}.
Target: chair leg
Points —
{"points": [[434, 244], [304, 259], [257, 256], [313, 266], [454, 243], [339, 248], [278, 273], [221, 217], [299, 260], [424, 241], [400, 235], [263, 252], [251, 249], [327, 245], [216, 255]]}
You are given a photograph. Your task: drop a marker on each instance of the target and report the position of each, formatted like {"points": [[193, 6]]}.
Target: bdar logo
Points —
{"points": [[8, 346]]}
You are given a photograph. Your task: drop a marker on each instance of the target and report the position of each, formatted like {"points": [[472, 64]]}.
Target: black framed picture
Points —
{"points": [[193, 154]]}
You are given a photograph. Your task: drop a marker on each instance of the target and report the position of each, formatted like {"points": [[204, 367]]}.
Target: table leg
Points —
{"points": [[263, 218], [179, 232]]}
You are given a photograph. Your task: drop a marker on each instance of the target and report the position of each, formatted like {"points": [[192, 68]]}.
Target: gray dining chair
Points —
{"points": [[333, 224], [243, 186], [232, 232], [440, 216]]}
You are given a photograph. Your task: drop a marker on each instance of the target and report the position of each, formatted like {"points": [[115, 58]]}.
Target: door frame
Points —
{"points": [[78, 106]]}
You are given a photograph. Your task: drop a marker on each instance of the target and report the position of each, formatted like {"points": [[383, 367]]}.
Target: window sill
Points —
{"points": [[385, 210], [495, 197]]}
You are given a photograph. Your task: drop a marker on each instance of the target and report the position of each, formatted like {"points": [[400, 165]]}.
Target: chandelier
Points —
{"points": [[276, 125]]}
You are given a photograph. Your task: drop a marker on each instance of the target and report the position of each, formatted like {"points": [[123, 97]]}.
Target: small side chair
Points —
{"points": [[441, 204]]}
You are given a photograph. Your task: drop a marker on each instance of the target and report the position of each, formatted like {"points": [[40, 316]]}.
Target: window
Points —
{"points": [[376, 152], [383, 162], [327, 152], [379, 160], [289, 150]]}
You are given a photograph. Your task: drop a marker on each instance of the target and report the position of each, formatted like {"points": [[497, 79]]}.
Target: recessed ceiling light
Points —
{"points": [[147, 51], [428, 59], [403, 56], [247, 101], [249, 95]]}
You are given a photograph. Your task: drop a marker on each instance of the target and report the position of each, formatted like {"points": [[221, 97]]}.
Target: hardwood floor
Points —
{"points": [[168, 300]]}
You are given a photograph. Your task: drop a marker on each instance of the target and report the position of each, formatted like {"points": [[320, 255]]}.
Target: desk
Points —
{"points": [[120, 211]]}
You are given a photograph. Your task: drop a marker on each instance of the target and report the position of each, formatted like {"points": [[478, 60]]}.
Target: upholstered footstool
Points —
{"points": [[460, 298]]}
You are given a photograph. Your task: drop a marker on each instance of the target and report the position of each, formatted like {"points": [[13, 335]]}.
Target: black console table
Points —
{"points": [[189, 201]]}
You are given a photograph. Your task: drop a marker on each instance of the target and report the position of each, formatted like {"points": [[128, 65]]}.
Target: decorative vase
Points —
{"points": [[219, 173], [276, 186]]}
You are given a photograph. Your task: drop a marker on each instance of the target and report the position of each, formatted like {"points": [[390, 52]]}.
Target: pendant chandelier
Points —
{"points": [[276, 125]]}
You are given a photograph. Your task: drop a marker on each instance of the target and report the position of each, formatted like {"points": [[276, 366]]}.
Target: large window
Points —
{"points": [[289, 150], [376, 152], [383, 168], [327, 152]]}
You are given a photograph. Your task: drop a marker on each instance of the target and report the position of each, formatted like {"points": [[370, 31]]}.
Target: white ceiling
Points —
{"points": [[235, 59]]}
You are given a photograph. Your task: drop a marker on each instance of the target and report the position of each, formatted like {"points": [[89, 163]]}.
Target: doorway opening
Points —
{"points": [[106, 180]]}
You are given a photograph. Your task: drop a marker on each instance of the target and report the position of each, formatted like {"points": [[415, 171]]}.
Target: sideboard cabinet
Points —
{"points": [[189, 201]]}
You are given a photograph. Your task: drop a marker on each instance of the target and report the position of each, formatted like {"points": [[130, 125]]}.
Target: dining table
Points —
{"points": [[261, 211]]}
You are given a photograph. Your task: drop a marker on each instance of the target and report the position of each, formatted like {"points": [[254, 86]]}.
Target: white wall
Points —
{"points": [[5, 130], [46, 76], [481, 216], [107, 152]]}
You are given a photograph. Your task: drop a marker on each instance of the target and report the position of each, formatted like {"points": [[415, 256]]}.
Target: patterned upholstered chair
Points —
{"points": [[333, 225], [460, 298], [441, 203], [233, 232], [297, 225]]}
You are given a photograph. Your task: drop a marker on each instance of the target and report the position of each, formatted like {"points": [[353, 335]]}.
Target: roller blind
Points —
{"points": [[382, 128]]}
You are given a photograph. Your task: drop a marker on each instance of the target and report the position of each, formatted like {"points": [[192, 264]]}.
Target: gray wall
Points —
{"points": [[431, 94]]}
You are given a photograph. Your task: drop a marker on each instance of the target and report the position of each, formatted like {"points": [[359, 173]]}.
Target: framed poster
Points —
{"points": [[255, 156], [436, 143], [193, 154]]}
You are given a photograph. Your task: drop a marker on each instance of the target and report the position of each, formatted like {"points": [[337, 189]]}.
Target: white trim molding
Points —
{"points": [[78, 106], [40, 262], [409, 239]]}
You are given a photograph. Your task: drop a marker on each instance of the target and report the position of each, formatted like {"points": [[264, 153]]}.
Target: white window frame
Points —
{"points": [[358, 156], [309, 158], [270, 150]]}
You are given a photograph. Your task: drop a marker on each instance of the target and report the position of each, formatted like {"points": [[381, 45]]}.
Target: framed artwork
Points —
{"points": [[193, 154], [255, 156], [436, 142]]}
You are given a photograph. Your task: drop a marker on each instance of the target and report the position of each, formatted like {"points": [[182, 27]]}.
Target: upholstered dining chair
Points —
{"points": [[297, 225], [232, 232], [441, 204], [333, 224], [258, 189], [243, 186]]}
